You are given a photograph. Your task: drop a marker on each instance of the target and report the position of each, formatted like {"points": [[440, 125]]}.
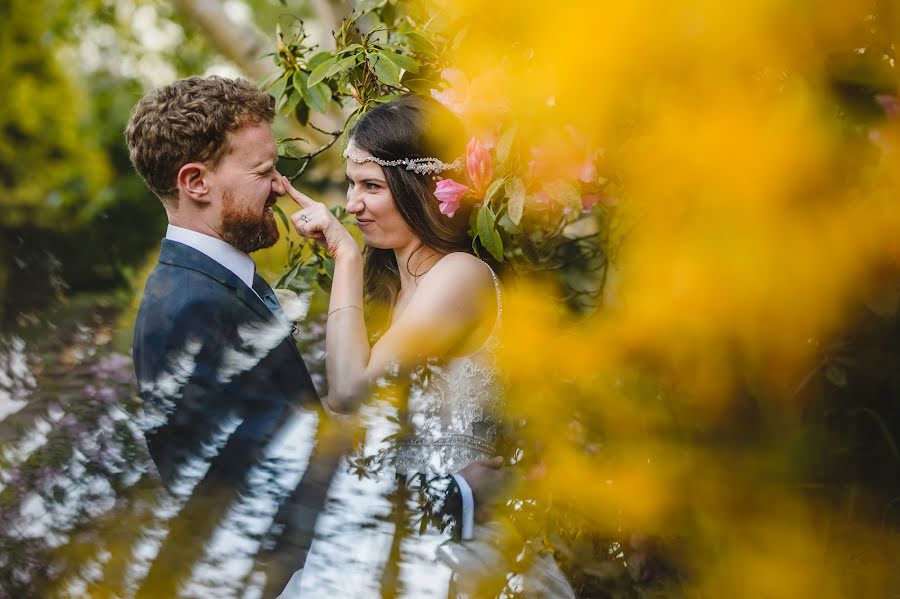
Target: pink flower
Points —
{"points": [[543, 197], [588, 201], [456, 96], [480, 166], [587, 172], [479, 96], [449, 193]]}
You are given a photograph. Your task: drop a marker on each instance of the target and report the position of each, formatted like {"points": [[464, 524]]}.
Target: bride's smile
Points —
{"points": [[369, 199]]}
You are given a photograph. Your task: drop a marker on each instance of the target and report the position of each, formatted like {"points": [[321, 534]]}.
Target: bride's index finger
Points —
{"points": [[302, 200]]}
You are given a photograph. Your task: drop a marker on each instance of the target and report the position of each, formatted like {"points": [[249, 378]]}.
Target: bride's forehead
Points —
{"points": [[364, 169]]}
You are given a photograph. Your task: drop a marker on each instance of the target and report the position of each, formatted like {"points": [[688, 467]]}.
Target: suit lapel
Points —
{"points": [[250, 298], [179, 254]]}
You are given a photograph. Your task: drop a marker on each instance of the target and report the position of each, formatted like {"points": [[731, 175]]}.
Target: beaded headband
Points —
{"points": [[420, 166]]}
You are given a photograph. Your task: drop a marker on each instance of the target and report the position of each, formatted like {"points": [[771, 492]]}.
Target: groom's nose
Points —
{"points": [[278, 184]]}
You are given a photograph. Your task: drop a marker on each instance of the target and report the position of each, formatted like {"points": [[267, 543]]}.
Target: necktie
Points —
{"points": [[268, 296]]}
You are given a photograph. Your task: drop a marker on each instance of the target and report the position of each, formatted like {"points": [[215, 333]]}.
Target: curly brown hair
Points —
{"points": [[189, 121]]}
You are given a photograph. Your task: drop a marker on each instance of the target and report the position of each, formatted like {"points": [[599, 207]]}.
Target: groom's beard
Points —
{"points": [[248, 230]]}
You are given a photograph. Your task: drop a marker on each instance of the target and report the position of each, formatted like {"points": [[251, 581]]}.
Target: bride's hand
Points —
{"points": [[315, 221]]}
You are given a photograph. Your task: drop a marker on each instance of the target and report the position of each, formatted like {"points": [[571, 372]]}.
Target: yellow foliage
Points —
{"points": [[751, 227]]}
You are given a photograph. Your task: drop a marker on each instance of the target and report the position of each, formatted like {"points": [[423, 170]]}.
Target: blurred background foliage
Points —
{"points": [[74, 212], [724, 421]]}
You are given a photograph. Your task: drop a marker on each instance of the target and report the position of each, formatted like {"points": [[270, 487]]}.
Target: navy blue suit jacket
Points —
{"points": [[217, 371]]}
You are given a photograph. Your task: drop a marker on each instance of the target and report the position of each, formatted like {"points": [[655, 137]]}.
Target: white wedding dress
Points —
{"points": [[454, 420], [453, 417]]}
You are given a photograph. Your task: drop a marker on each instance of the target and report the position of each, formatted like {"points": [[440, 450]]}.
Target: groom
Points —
{"points": [[218, 371], [214, 359]]}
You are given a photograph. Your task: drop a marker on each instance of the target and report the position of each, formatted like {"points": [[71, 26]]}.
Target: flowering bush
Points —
{"points": [[532, 208]]}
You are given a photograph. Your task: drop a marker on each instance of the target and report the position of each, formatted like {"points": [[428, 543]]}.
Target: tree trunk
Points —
{"points": [[240, 43]]}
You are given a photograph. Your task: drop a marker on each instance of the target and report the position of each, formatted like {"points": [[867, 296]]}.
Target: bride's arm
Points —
{"points": [[346, 341], [448, 305], [347, 349]]}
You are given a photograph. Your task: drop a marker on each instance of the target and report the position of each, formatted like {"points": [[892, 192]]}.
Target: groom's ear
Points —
{"points": [[192, 181]]}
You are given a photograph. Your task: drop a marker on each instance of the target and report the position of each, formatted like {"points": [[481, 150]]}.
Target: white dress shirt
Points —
{"points": [[222, 252], [468, 507]]}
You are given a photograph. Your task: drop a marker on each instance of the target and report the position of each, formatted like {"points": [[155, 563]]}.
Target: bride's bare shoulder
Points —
{"points": [[460, 268]]}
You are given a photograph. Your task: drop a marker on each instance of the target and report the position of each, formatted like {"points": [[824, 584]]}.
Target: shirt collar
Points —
{"points": [[222, 252]]}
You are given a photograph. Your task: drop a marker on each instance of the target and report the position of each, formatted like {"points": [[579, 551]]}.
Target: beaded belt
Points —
{"points": [[451, 440]]}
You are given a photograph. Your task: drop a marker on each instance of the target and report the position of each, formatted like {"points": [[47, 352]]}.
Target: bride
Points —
{"points": [[442, 303]]}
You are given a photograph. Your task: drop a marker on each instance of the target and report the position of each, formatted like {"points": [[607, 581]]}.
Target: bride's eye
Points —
{"points": [[371, 186]]}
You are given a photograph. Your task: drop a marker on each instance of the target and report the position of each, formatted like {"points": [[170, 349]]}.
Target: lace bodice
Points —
{"points": [[454, 415]]}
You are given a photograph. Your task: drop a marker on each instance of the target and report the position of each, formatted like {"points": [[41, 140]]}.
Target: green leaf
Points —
{"points": [[348, 126], [277, 88], [288, 277], [301, 113], [321, 71], [345, 64], [293, 99], [319, 97], [402, 61], [495, 185], [386, 71], [288, 101], [504, 144], [318, 59], [299, 81], [419, 43], [473, 223], [386, 98], [306, 253], [515, 189], [282, 216], [496, 246], [389, 14], [488, 235], [269, 80], [349, 48], [506, 223]]}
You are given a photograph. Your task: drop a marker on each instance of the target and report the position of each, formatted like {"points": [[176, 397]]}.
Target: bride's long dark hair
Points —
{"points": [[412, 127]]}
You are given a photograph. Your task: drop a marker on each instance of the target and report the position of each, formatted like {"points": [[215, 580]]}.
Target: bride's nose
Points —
{"points": [[354, 202]]}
